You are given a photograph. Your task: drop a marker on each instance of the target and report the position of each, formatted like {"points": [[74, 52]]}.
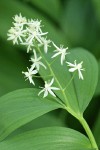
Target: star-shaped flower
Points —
{"points": [[48, 88], [29, 75], [77, 67], [60, 51], [34, 25], [45, 43], [15, 34], [34, 34], [29, 45], [19, 20], [36, 61]]}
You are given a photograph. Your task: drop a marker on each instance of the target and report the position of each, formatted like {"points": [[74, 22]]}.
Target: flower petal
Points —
{"points": [[51, 92], [72, 69], [45, 93], [80, 75], [40, 92], [55, 45], [42, 65], [70, 64], [51, 82], [56, 54], [54, 88]]}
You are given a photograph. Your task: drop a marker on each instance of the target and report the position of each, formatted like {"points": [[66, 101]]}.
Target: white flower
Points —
{"points": [[29, 75], [45, 44], [75, 67], [16, 34], [48, 89], [36, 61], [29, 45], [60, 51], [19, 20], [34, 34], [34, 25]]}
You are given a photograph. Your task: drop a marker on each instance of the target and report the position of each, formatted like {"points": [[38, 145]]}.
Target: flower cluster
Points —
{"points": [[29, 32]]}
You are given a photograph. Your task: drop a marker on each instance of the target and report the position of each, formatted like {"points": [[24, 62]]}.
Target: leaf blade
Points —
{"points": [[78, 93], [51, 138], [21, 106]]}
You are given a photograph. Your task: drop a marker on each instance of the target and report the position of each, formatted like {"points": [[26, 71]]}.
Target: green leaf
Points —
{"points": [[54, 4], [76, 94], [73, 20], [22, 106], [79, 30], [96, 129], [11, 66], [47, 138], [98, 85], [47, 120], [96, 5]]}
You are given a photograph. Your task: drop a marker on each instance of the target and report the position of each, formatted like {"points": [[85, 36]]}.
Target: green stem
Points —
{"points": [[85, 126], [52, 73], [89, 133], [69, 82]]}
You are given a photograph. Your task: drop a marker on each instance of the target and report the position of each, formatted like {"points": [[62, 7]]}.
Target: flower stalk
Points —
{"points": [[89, 133], [86, 127]]}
